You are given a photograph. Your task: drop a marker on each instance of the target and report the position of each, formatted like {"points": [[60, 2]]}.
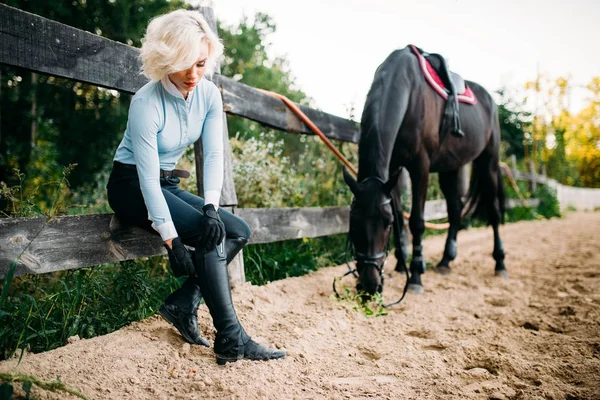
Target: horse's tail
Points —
{"points": [[483, 193], [486, 197]]}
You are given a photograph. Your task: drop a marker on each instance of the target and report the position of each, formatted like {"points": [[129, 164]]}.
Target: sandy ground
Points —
{"points": [[470, 336]]}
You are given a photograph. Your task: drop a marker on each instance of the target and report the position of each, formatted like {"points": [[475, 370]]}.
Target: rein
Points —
{"points": [[372, 259]]}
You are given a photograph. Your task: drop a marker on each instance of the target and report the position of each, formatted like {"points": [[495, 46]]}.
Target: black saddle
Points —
{"points": [[454, 86]]}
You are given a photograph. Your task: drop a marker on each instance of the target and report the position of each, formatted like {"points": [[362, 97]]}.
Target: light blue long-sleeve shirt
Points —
{"points": [[161, 124]]}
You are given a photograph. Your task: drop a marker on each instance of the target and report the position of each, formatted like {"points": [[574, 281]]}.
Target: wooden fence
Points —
{"points": [[44, 245]]}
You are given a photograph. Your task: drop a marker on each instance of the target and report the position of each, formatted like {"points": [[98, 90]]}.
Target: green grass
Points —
{"points": [[369, 305], [40, 312], [273, 261]]}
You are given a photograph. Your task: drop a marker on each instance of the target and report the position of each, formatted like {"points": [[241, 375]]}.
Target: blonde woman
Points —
{"points": [[176, 108]]}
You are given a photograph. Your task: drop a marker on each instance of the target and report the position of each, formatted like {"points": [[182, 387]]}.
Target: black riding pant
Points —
{"points": [[126, 199]]}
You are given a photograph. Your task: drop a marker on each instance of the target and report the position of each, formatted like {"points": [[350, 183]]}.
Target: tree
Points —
{"points": [[514, 123], [568, 143], [584, 143]]}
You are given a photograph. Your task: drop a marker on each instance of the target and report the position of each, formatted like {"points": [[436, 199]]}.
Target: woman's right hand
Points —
{"points": [[180, 258]]}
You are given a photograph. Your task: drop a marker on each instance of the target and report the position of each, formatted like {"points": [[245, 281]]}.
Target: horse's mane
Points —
{"points": [[377, 133], [372, 108]]}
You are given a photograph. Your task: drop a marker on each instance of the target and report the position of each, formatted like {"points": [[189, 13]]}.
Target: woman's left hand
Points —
{"points": [[213, 229]]}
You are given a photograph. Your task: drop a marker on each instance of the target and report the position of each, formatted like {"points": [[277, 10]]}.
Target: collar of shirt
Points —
{"points": [[172, 89]]}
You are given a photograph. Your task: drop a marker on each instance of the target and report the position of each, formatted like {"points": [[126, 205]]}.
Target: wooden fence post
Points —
{"points": [[228, 197], [513, 165], [532, 175], [543, 170]]}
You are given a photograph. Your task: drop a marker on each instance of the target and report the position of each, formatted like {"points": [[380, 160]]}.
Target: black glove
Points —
{"points": [[180, 259], [212, 229]]}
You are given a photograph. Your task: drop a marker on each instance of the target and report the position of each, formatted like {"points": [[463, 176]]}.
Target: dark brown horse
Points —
{"points": [[400, 127]]}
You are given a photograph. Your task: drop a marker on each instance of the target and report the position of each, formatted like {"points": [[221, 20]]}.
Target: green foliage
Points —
{"points": [[514, 123], [558, 165], [42, 198], [273, 261], [42, 311], [549, 206], [369, 305], [265, 177], [434, 192]]}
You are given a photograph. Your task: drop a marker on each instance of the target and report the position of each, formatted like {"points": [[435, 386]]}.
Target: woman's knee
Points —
{"points": [[235, 226], [242, 230]]}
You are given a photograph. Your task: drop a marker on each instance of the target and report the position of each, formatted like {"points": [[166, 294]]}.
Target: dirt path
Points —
{"points": [[470, 336]]}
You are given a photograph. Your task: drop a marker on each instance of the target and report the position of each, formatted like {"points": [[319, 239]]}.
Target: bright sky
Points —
{"points": [[334, 46]]}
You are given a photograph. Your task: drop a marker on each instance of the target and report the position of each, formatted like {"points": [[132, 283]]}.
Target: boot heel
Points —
{"points": [[222, 360], [250, 351], [179, 325]]}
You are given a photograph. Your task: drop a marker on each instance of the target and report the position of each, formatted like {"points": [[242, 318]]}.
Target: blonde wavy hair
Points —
{"points": [[173, 42]]}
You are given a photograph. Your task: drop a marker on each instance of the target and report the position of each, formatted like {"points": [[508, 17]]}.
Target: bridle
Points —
{"points": [[372, 259]]}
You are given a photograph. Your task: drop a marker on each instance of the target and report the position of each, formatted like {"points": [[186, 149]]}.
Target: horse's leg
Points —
{"points": [[400, 234], [497, 218], [449, 185], [498, 254], [419, 175], [491, 193]]}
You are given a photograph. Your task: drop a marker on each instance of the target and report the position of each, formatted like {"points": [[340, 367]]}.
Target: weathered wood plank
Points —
{"points": [[71, 242], [245, 101], [42, 45], [276, 224]]}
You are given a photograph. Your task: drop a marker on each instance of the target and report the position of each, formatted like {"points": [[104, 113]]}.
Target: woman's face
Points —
{"points": [[186, 80]]}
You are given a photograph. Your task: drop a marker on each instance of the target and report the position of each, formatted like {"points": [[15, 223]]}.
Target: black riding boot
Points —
{"points": [[233, 245], [181, 310], [231, 342]]}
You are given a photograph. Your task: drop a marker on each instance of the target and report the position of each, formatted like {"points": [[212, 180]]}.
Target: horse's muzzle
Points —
{"points": [[370, 277]]}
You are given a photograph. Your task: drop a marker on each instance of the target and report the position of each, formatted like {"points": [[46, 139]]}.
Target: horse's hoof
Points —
{"points": [[501, 273], [416, 288], [443, 270]]}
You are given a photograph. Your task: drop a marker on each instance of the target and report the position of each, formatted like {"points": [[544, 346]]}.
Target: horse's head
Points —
{"points": [[371, 218]]}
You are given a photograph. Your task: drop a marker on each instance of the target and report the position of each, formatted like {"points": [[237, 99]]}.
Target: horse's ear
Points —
{"points": [[350, 181], [391, 183]]}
